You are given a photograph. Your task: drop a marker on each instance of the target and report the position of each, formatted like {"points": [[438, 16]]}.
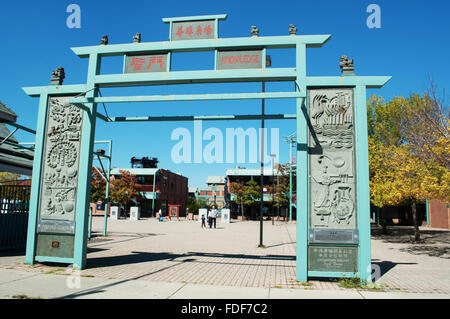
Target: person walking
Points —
{"points": [[213, 216], [203, 220], [208, 214]]}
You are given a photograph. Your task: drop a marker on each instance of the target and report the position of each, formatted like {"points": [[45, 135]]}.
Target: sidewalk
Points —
{"points": [[174, 259], [18, 284]]}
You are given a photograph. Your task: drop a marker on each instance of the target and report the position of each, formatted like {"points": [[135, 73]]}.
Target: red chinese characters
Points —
{"points": [[149, 63], [193, 30], [189, 31], [137, 64], [155, 59], [208, 29], [180, 31]]}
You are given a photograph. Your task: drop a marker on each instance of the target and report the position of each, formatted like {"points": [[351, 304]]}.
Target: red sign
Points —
{"points": [[193, 30], [239, 59], [146, 63]]}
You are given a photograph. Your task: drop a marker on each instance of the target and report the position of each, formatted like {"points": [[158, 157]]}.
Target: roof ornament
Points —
{"points": [[254, 31], [104, 40], [137, 38], [58, 76], [292, 30], [346, 65]]}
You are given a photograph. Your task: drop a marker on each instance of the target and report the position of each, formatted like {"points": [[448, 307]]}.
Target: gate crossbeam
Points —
{"points": [[188, 97], [203, 118], [271, 42]]}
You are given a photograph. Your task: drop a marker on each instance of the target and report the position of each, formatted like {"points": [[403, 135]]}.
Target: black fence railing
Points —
{"points": [[14, 209]]}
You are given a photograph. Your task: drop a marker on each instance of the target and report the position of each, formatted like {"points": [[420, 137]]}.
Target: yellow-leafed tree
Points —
{"points": [[409, 151]]}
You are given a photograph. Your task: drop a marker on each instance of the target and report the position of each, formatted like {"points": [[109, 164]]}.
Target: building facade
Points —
{"points": [[215, 192], [242, 176], [158, 189]]}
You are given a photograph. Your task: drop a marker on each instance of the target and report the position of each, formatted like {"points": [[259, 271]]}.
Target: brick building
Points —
{"points": [[215, 191], [159, 189], [242, 176]]}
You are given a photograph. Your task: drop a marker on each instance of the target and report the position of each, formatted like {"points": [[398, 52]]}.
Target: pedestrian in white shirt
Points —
{"points": [[213, 217]]}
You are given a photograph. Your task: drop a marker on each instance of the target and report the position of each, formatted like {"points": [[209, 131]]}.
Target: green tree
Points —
{"points": [[124, 188], [194, 204], [98, 186], [238, 190], [251, 194], [282, 189]]}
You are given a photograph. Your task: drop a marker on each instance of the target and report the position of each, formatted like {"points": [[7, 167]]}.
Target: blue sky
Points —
{"points": [[411, 45]]}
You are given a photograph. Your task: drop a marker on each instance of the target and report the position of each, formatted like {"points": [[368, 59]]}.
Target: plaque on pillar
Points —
{"points": [[333, 258], [335, 236]]}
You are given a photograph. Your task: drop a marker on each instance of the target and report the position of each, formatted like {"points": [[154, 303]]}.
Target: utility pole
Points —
{"points": [[291, 140], [273, 188], [261, 186]]}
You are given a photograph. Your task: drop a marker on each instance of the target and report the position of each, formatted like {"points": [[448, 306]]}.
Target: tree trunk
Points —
{"points": [[416, 221], [242, 209]]}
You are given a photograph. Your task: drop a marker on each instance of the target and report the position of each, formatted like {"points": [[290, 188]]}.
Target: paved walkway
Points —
{"points": [[182, 259]]}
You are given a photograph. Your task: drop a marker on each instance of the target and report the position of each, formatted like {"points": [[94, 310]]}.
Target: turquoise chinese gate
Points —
{"points": [[333, 222]]}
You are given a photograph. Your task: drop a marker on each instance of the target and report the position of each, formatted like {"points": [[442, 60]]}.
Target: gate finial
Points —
{"points": [[137, 38], [58, 76], [104, 40], [346, 65], [254, 31], [292, 30]]}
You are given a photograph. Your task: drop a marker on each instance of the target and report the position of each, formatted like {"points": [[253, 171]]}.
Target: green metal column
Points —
{"points": [[108, 175], [86, 156], [362, 183], [90, 222], [290, 181], [35, 187], [302, 167], [154, 193]]}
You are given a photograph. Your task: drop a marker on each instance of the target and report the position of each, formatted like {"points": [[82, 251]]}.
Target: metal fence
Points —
{"points": [[14, 208]]}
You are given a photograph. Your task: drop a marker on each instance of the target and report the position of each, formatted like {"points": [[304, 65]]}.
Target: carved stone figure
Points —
{"points": [[58, 76], [104, 40], [292, 30], [137, 38], [254, 31], [346, 65]]}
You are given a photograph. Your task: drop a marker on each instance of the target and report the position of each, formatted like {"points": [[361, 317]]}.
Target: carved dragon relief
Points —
{"points": [[331, 171], [60, 169]]}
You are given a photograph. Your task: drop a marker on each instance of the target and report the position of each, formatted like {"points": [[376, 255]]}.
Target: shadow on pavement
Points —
{"points": [[405, 235], [141, 257], [385, 266]]}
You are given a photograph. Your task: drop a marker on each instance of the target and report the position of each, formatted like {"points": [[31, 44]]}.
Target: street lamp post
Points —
{"points": [[291, 140], [273, 188], [261, 201]]}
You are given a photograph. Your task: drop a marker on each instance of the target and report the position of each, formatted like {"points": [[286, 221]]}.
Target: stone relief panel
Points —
{"points": [[61, 160], [331, 145]]}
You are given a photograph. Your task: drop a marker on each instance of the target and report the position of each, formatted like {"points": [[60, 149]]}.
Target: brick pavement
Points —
{"points": [[180, 251]]}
